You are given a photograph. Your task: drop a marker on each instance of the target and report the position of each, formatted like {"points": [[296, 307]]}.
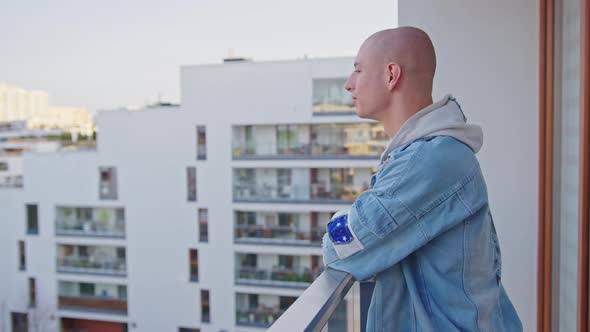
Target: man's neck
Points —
{"points": [[401, 111]]}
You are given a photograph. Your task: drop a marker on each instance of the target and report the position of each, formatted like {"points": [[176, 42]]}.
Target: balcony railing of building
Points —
{"points": [[93, 304], [90, 228], [344, 150], [330, 301], [91, 265], [296, 278], [282, 235], [312, 193], [11, 181], [261, 316]]}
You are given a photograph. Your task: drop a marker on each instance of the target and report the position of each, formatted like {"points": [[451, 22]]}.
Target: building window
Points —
{"points": [[20, 322], [3, 166], [205, 314], [330, 97], [203, 225], [32, 293], [191, 182], [108, 183], [188, 329], [22, 262], [201, 143], [194, 264], [86, 289], [32, 219]]}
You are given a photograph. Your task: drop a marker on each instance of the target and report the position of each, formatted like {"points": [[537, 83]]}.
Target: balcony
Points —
{"points": [[300, 185], [258, 317], [89, 228], [260, 310], [90, 265], [92, 297], [101, 260], [278, 235], [312, 193], [90, 222], [11, 181], [293, 278], [277, 270], [93, 304], [309, 141]]}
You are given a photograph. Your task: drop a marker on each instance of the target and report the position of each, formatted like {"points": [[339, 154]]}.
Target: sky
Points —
{"points": [[109, 54]]}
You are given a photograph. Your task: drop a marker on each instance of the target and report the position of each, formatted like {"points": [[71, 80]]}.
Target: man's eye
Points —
{"points": [[357, 71]]}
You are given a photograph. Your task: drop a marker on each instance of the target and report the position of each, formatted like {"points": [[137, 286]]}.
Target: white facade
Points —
{"points": [[487, 55]]}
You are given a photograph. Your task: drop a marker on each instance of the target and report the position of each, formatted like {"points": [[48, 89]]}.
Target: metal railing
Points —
{"points": [[89, 228], [278, 234], [93, 303], [301, 277], [12, 181], [314, 192], [366, 150], [318, 304], [91, 265]]}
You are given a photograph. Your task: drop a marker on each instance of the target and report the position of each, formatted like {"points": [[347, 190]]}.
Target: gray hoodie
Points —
{"points": [[443, 118]]}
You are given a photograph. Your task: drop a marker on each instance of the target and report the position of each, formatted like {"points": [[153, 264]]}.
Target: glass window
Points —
{"points": [[203, 225], [108, 183], [201, 143], [329, 95], [205, 312], [32, 293], [87, 289], [191, 182], [32, 219], [194, 264], [21, 256]]}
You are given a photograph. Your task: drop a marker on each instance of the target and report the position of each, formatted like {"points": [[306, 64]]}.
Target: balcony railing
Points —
{"points": [[93, 303], [322, 302], [91, 265], [278, 235], [91, 228], [312, 193], [261, 316], [308, 151], [298, 278], [11, 181]]}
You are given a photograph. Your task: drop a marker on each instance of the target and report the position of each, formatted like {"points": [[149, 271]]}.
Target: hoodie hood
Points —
{"points": [[443, 118]]}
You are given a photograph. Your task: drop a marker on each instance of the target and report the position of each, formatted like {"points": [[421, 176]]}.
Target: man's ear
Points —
{"points": [[394, 73]]}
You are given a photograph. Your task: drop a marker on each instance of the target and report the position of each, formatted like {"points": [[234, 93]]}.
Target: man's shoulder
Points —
{"points": [[437, 156], [427, 171]]}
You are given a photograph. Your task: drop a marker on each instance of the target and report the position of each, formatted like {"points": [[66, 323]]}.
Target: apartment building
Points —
{"points": [[204, 217]]}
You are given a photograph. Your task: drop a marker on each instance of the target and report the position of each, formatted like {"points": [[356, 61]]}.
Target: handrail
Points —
{"points": [[312, 310]]}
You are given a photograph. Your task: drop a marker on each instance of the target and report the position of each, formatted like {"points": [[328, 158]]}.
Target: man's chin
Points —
{"points": [[362, 115]]}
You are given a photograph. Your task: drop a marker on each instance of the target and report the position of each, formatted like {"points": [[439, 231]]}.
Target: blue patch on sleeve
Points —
{"points": [[338, 230]]}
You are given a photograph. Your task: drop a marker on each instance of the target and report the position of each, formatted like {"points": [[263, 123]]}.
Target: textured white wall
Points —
{"points": [[488, 58]]}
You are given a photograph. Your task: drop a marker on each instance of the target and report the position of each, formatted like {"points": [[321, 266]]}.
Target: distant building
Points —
{"points": [[17, 104]]}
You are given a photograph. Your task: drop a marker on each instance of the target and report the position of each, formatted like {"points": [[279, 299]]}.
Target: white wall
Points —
{"points": [[488, 58]]}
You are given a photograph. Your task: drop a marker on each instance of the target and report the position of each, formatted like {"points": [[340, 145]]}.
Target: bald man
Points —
{"points": [[424, 230]]}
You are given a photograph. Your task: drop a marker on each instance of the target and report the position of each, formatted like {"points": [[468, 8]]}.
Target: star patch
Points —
{"points": [[338, 230]]}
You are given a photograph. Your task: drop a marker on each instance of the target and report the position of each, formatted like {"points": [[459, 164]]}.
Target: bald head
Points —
{"points": [[409, 47], [393, 76]]}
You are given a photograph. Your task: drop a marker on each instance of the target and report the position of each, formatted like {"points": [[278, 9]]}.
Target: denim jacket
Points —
{"points": [[424, 232]]}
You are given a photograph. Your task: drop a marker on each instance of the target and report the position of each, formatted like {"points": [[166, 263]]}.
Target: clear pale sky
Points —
{"points": [[108, 54]]}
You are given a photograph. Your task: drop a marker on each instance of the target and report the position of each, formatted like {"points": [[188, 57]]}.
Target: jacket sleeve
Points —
{"points": [[424, 190]]}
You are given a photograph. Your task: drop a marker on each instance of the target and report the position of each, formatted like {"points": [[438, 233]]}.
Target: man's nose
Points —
{"points": [[348, 85]]}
